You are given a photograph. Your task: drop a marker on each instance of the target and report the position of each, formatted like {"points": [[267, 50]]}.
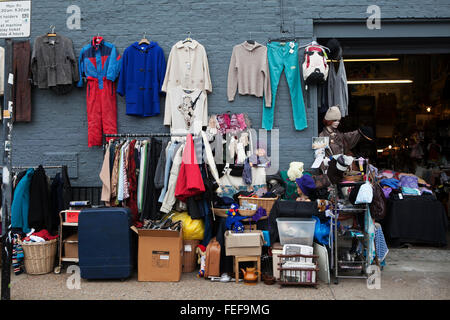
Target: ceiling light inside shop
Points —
{"points": [[378, 81], [370, 60]]}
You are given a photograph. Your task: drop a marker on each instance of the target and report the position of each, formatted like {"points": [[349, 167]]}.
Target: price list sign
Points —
{"points": [[15, 19]]}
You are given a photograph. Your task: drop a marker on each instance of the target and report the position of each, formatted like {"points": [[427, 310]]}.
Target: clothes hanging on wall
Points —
{"points": [[22, 85], [249, 72], [186, 110], [99, 62], [188, 67], [141, 78], [337, 88], [53, 63], [284, 56]]}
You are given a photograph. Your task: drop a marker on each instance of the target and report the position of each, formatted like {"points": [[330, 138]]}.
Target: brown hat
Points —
{"points": [[333, 113]]}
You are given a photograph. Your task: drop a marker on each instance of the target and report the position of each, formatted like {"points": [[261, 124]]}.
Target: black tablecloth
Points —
{"points": [[416, 219]]}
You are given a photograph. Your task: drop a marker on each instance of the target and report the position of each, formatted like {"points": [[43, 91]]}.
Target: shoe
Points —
{"points": [[225, 278]]}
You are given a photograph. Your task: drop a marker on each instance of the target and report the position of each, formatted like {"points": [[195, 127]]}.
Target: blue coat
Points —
{"points": [[21, 203], [141, 78]]}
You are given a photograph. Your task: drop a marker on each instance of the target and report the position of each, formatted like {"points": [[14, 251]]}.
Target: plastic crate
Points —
{"points": [[296, 230]]}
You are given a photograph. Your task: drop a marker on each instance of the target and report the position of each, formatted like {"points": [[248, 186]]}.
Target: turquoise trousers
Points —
{"points": [[284, 56]]}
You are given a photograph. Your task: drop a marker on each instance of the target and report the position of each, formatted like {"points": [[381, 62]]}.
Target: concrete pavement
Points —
{"points": [[414, 273]]}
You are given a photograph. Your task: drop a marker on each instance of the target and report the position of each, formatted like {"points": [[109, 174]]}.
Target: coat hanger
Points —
{"points": [[144, 39], [188, 38], [251, 41], [52, 32]]}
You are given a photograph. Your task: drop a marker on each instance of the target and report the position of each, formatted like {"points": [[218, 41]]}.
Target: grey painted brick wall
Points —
{"points": [[58, 131]]}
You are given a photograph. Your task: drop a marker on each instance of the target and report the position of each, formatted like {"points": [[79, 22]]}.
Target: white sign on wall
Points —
{"points": [[15, 19]]}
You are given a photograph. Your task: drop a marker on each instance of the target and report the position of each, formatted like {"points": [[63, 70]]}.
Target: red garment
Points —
{"points": [[44, 234], [101, 110], [132, 183], [189, 182]]}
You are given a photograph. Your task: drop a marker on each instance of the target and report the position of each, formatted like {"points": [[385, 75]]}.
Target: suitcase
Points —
{"points": [[105, 243], [189, 255], [212, 264]]}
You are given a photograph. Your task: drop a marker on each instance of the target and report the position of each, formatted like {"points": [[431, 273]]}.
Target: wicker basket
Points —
{"points": [[266, 203], [223, 212], [39, 257], [354, 176]]}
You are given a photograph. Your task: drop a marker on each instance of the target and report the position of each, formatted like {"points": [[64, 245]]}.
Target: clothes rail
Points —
{"points": [[35, 167]]}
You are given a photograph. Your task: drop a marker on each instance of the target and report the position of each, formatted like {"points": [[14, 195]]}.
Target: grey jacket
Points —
{"points": [[53, 62]]}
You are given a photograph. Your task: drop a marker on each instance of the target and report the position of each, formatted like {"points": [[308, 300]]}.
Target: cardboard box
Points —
{"points": [[160, 255], [248, 243], [189, 255], [71, 246]]}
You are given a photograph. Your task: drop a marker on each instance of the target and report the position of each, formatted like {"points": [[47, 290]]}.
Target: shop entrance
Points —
{"points": [[400, 87], [406, 100]]}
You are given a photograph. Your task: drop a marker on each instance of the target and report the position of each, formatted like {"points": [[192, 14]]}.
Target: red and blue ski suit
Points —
{"points": [[100, 62]]}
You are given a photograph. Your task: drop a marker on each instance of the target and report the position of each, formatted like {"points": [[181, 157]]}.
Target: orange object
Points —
{"points": [[250, 276], [72, 216]]}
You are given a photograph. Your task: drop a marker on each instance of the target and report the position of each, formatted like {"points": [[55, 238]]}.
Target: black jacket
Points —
{"points": [[39, 214]]}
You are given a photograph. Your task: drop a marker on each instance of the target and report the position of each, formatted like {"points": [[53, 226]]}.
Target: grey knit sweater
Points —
{"points": [[249, 71]]}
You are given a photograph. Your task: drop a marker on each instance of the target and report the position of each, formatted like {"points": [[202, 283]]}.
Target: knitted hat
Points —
{"points": [[295, 170], [333, 113], [306, 184], [337, 167]]}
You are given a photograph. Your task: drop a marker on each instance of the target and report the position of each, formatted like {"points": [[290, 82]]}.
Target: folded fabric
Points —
{"points": [[260, 212], [410, 191], [409, 182], [44, 234], [425, 190], [392, 183], [387, 173]]}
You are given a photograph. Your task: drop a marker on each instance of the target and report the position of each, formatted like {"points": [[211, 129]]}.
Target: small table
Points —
{"points": [[238, 259]]}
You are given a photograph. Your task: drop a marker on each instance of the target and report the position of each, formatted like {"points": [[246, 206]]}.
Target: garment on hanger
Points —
{"points": [[169, 198], [186, 110], [53, 62], [337, 88], [249, 72], [39, 216], [21, 203], [143, 167], [105, 177], [141, 78], [132, 183], [99, 62], [151, 206], [284, 56], [187, 67], [22, 85]]}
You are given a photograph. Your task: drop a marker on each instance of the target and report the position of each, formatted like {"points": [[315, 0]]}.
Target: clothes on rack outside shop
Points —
{"points": [[284, 56], [21, 203], [159, 173], [40, 216], [169, 197], [22, 81], [141, 78], [105, 177], [249, 72], [99, 62], [186, 110], [172, 149], [337, 88], [151, 206], [189, 182], [60, 192], [17, 255], [53, 62], [132, 183]]}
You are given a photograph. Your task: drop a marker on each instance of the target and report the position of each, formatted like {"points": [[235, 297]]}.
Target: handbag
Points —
{"points": [[365, 193]]}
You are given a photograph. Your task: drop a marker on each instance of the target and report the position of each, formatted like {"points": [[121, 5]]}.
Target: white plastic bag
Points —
{"points": [[365, 193]]}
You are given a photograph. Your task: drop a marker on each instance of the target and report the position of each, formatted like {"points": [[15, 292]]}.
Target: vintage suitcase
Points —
{"points": [[212, 265], [189, 255], [105, 243]]}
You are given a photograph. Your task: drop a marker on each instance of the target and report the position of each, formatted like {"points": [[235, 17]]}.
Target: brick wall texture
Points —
{"points": [[58, 131]]}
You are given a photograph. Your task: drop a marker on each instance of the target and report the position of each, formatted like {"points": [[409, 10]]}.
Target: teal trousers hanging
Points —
{"points": [[284, 56]]}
